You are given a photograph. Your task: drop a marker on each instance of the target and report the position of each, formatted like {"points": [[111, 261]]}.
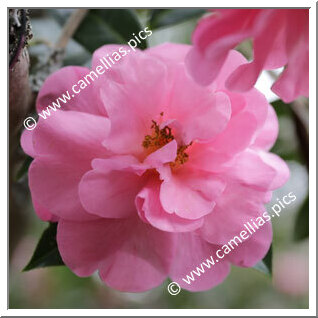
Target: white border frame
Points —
{"points": [[160, 312]]}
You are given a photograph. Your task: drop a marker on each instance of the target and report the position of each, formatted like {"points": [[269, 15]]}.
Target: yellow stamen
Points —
{"points": [[182, 156], [161, 137]]}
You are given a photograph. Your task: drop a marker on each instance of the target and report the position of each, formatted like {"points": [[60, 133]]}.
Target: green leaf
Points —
{"points": [[281, 108], [166, 17], [265, 265], [46, 252], [302, 222], [107, 26]]}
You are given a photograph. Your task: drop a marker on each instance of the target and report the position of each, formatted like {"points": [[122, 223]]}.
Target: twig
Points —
{"points": [[70, 27], [55, 59]]}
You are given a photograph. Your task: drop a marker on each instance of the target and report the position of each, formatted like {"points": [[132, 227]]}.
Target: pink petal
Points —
{"points": [[231, 212], [190, 251], [87, 100], [170, 52], [213, 38], [279, 165], [26, 142], [190, 195], [163, 155], [196, 108], [294, 81], [257, 105], [254, 249], [81, 135], [54, 186], [238, 134], [280, 38], [110, 195], [103, 57], [277, 56], [150, 209], [105, 52], [267, 135], [233, 61], [203, 157], [43, 213], [121, 163], [132, 108], [237, 100], [217, 111], [267, 26], [260, 170], [131, 256]]}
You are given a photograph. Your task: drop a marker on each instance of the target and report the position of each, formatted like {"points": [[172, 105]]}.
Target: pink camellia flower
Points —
{"points": [[280, 38], [149, 173]]}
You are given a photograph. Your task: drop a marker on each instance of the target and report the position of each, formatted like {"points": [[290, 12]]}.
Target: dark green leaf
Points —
{"points": [[265, 265], [166, 17], [46, 252], [107, 26], [281, 108], [302, 222]]}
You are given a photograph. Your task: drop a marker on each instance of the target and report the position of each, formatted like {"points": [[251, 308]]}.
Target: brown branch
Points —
{"points": [[55, 59], [70, 27], [19, 96]]}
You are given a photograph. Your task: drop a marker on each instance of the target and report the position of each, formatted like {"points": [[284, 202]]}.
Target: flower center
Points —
{"points": [[182, 156], [158, 138], [161, 137]]}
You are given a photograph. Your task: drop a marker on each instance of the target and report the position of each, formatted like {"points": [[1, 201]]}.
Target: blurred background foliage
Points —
{"points": [[58, 287]]}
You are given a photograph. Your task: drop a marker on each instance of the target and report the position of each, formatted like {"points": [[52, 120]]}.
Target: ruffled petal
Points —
{"points": [[254, 248], [190, 251], [231, 212], [132, 107], [267, 31], [213, 38], [110, 195], [200, 113], [267, 135], [80, 134], [43, 213], [151, 210], [260, 170], [77, 85], [237, 136], [54, 186], [170, 52], [131, 256], [27, 143], [190, 194]]}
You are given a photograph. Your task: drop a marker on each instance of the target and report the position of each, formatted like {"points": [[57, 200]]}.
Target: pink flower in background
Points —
{"points": [[291, 272], [148, 173], [280, 38]]}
